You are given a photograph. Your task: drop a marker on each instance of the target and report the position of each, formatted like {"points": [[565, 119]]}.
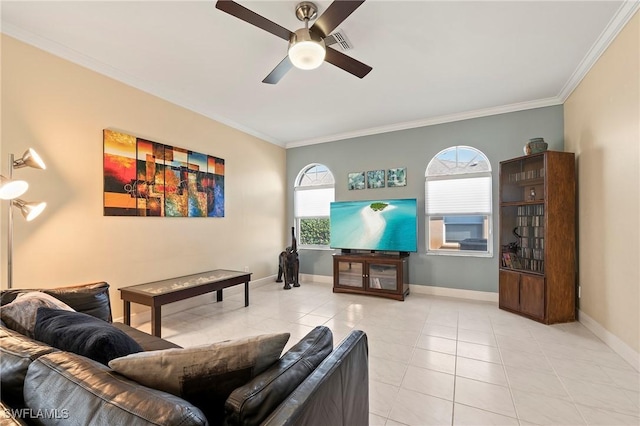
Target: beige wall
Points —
{"points": [[60, 109], [602, 126]]}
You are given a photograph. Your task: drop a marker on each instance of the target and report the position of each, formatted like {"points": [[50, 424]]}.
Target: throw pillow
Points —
{"points": [[83, 334], [204, 375], [251, 403], [20, 315]]}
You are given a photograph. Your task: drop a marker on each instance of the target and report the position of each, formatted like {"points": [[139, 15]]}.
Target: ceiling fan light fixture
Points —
{"points": [[305, 51]]}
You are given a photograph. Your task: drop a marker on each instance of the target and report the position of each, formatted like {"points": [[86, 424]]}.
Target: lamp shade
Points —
{"points": [[306, 52], [31, 159], [30, 210], [10, 189]]}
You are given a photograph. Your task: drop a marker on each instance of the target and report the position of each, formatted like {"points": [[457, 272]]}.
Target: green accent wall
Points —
{"points": [[499, 137]]}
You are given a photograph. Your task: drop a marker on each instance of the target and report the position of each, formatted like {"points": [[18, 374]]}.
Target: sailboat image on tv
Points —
{"points": [[376, 225]]}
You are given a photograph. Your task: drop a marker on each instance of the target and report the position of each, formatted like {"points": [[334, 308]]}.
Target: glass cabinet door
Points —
{"points": [[522, 214], [522, 180], [383, 276], [350, 274]]}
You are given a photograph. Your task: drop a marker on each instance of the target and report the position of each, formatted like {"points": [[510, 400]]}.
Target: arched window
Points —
{"points": [[458, 202], [312, 195]]}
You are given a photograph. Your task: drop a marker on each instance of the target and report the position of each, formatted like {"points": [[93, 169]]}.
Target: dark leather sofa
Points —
{"points": [[43, 385]]}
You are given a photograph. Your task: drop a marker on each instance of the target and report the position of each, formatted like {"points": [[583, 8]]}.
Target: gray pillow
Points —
{"points": [[204, 375], [20, 315]]}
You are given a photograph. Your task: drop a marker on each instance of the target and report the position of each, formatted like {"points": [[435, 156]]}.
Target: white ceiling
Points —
{"points": [[433, 61]]}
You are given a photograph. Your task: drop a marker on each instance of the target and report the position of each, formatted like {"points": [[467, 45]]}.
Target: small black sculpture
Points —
{"points": [[288, 264]]}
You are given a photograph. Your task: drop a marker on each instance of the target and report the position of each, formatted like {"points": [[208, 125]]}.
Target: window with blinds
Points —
{"points": [[458, 204], [313, 193]]}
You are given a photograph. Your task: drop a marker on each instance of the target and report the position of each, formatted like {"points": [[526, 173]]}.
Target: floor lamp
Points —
{"points": [[10, 190]]}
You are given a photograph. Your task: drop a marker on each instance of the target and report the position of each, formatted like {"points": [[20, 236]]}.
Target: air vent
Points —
{"points": [[340, 38]]}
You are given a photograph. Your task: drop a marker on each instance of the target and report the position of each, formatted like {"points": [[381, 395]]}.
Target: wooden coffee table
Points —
{"points": [[158, 293]]}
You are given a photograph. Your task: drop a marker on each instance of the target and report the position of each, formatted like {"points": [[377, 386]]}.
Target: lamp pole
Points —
{"points": [[29, 210], [10, 233]]}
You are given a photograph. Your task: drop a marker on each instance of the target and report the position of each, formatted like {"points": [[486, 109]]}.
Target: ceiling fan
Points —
{"points": [[308, 47]]}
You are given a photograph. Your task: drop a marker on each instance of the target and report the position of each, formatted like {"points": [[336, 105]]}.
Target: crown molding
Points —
{"points": [[625, 12], [93, 64], [485, 112], [617, 23]]}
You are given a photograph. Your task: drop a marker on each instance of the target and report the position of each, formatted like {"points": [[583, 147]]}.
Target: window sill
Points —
{"points": [[460, 253], [318, 248]]}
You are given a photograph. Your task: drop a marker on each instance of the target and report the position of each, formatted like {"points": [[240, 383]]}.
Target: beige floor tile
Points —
{"points": [[546, 410], [375, 420], [382, 397], [481, 370], [415, 408], [391, 351], [517, 330], [526, 360], [437, 361], [485, 396], [475, 324], [603, 417], [464, 415], [518, 344], [429, 382], [626, 379], [385, 371], [450, 348], [312, 320], [475, 336], [601, 396], [581, 370], [536, 382], [437, 344], [479, 352], [440, 331]]}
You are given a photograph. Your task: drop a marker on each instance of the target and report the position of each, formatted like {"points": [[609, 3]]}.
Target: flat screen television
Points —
{"points": [[377, 225]]}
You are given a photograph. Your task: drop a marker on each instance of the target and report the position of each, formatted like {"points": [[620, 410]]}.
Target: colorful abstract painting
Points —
{"points": [[145, 178]]}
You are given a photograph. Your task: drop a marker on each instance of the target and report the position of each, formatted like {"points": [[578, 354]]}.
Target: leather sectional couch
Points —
{"points": [[310, 384]]}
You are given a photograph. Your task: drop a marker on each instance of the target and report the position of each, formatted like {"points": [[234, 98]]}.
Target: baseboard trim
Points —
{"points": [[611, 340], [139, 318], [324, 279], [483, 296]]}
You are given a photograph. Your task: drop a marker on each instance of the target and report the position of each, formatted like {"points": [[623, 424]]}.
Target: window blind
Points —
{"points": [[458, 196], [313, 202]]}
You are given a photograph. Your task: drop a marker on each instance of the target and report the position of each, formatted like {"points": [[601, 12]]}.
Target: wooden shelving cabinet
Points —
{"points": [[370, 273], [537, 276]]}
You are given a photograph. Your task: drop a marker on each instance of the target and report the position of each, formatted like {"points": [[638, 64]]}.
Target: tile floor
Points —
{"points": [[440, 361]]}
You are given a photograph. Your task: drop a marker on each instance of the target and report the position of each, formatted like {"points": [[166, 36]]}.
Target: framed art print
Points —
{"points": [[375, 179], [356, 180], [397, 177]]}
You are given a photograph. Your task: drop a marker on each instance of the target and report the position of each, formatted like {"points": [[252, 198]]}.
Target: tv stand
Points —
{"points": [[378, 274]]}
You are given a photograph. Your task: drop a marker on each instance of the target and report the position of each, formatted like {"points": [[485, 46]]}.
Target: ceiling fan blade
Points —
{"points": [[241, 12], [347, 63], [337, 12], [279, 71]]}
